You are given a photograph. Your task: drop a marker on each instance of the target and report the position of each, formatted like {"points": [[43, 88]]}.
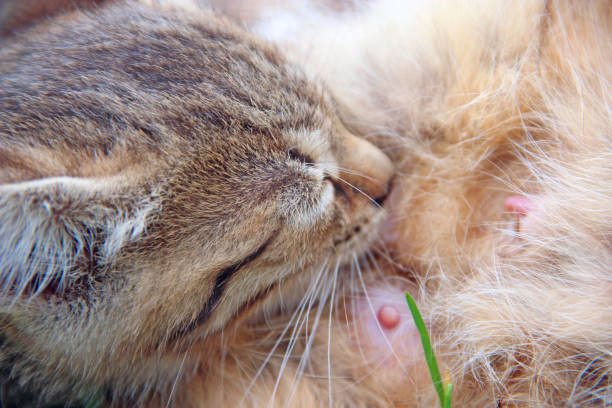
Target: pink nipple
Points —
{"points": [[518, 204], [388, 316]]}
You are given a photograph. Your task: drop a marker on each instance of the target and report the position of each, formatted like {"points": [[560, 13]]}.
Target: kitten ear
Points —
{"points": [[16, 14], [56, 231]]}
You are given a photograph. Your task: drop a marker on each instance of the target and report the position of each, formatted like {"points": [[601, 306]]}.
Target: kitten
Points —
{"points": [[163, 175]]}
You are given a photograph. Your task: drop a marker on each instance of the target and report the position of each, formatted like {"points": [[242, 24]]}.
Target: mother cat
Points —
{"points": [[498, 117]]}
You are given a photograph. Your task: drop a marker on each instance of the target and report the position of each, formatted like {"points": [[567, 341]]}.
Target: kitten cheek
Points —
{"points": [[304, 206], [327, 198]]}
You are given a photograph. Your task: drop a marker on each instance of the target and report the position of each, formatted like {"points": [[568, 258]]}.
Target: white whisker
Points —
{"points": [[296, 329], [276, 344], [176, 380], [331, 308], [347, 170], [304, 358], [360, 191]]}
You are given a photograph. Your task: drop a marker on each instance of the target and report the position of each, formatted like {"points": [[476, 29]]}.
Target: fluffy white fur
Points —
{"points": [[47, 225]]}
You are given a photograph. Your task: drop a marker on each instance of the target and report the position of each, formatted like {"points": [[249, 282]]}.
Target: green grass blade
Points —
{"points": [[429, 353], [447, 396]]}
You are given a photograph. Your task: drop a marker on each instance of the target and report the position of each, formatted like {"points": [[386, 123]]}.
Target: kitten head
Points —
{"points": [[159, 176]]}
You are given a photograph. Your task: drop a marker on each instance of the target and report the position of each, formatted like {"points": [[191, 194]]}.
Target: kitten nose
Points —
{"points": [[370, 170]]}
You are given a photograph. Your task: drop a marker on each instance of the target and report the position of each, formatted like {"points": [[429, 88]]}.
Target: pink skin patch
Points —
{"points": [[387, 339], [519, 204], [529, 213], [388, 317], [386, 329]]}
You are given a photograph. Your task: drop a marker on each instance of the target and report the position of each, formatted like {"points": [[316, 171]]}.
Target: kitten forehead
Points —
{"points": [[119, 93]]}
